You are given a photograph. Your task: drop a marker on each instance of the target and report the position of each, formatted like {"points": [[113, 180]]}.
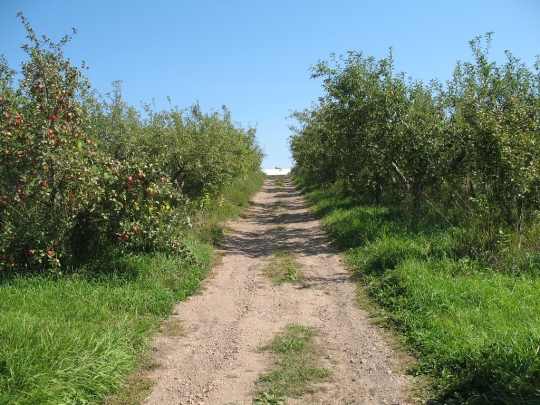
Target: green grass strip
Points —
{"points": [[283, 268], [296, 366]]}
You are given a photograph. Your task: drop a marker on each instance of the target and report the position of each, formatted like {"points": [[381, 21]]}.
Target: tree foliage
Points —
{"points": [[472, 142], [80, 173]]}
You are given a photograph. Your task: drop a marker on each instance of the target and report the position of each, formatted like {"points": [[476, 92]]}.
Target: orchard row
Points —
{"points": [[79, 173], [470, 146]]}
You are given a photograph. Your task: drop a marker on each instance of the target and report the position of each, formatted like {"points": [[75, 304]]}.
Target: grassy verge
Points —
{"points": [[76, 339], [73, 340], [473, 325], [232, 202], [296, 358]]}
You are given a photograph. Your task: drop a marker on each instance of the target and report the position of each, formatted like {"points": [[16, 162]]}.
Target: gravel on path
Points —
{"points": [[214, 362]]}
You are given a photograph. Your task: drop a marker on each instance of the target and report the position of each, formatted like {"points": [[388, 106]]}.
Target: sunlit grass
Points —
{"points": [[472, 323], [296, 357], [75, 339], [283, 268]]}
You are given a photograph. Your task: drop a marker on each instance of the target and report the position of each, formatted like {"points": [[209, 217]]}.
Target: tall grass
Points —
{"points": [[472, 320], [73, 339]]}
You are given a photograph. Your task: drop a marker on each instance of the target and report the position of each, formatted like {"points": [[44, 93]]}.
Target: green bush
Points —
{"points": [[82, 178]]}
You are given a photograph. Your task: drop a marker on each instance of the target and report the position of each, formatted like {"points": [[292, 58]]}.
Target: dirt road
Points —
{"points": [[214, 362]]}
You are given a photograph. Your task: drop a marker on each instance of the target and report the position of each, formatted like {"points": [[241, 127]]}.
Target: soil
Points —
{"points": [[212, 359]]}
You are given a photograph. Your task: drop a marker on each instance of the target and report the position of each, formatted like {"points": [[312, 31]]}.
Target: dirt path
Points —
{"points": [[214, 362]]}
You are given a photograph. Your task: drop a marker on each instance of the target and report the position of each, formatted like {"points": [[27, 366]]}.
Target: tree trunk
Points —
{"points": [[417, 190]]}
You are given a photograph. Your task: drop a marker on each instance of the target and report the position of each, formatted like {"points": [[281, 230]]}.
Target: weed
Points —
{"points": [[284, 268], [266, 398]]}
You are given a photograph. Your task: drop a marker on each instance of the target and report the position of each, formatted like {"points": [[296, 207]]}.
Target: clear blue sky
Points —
{"points": [[254, 56]]}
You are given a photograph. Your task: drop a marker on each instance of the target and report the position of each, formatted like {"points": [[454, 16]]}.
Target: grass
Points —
{"points": [[83, 338], [278, 183], [472, 323], [296, 368], [208, 225], [283, 268], [74, 340]]}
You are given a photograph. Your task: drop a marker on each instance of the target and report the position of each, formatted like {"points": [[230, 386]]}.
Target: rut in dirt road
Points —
{"points": [[215, 361]]}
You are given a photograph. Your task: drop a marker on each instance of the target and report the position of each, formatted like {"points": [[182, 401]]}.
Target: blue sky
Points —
{"points": [[254, 56]]}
